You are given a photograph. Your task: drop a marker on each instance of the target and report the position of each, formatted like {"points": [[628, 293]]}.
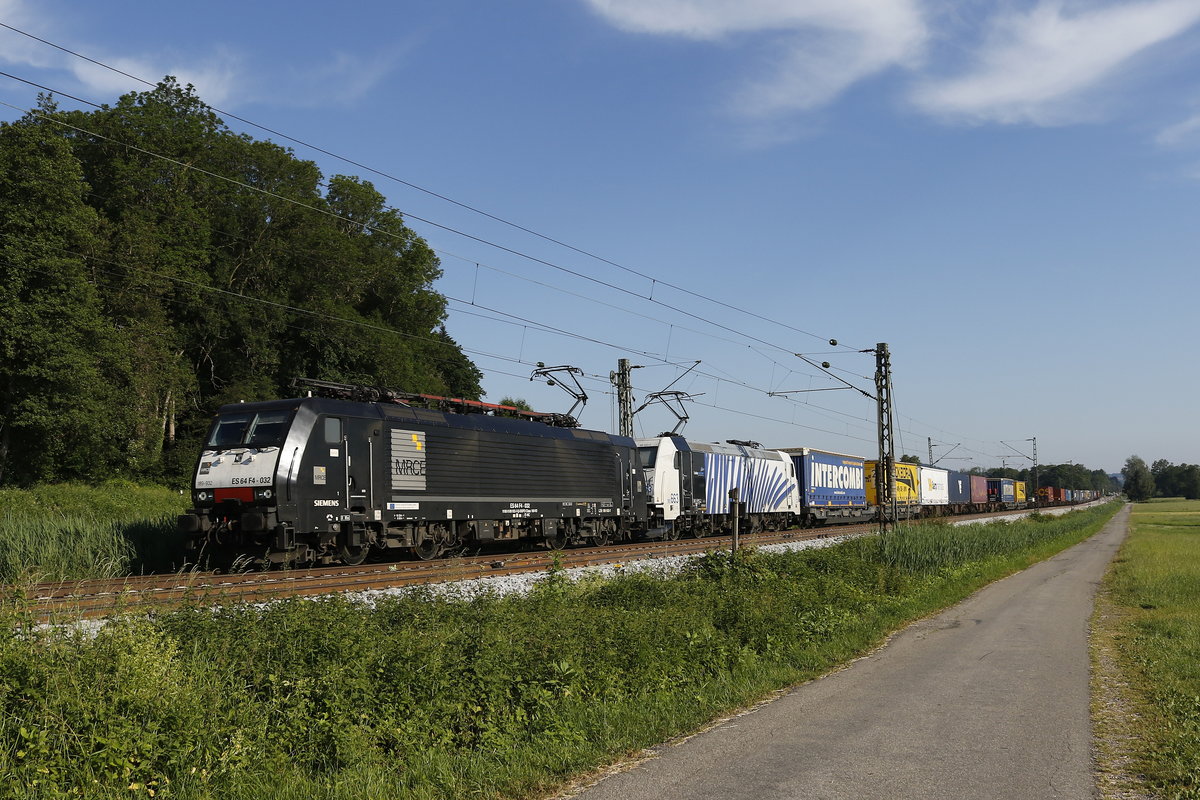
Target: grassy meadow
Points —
{"points": [[72, 531], [1156, 583], [433, 696]]}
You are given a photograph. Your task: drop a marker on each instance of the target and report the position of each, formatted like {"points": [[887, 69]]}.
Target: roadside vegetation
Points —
{"points": [[1155, 583], [72, 531], [434, 696]]}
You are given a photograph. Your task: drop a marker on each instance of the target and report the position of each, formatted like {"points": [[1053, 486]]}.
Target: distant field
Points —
{"points": [[72, 531], [1167, 505], [1156, 583]]}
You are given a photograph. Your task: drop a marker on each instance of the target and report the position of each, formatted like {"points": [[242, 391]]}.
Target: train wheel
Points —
{"points": [[557, 541], [600, 538], [353, 556], [428, 549]]}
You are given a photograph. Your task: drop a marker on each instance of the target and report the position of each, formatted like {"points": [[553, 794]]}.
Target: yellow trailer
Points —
{"points": [[908, 483]]}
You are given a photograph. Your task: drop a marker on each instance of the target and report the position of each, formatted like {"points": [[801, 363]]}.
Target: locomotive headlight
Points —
{"points": [[202, 496], [263, 494]]}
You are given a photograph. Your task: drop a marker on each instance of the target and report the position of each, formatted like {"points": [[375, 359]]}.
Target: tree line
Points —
{"points": [[1160, 479], [138, 293]]}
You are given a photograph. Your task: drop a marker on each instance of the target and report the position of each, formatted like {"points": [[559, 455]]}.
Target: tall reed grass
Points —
{"points": [[71, 532]]}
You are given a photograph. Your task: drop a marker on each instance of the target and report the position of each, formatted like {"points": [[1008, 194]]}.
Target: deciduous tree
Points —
{"points": [[1139, 482]]}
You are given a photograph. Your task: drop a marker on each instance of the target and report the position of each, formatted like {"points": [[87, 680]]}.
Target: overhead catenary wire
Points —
{"points": [[374, 229], [535, 259], [438, 195], [369, 326]]}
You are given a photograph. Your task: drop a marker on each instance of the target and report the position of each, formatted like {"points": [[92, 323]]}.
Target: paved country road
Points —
{"points": [[986, 700]]}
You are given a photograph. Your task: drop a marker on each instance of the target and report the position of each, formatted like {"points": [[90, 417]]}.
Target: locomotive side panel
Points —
{"points": [[457, 473]]}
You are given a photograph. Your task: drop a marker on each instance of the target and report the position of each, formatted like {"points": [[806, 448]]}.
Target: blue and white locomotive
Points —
{"points": [[689, 484]]}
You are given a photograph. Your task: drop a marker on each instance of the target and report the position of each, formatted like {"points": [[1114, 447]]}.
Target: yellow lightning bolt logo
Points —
{"points": [[416, 441]]}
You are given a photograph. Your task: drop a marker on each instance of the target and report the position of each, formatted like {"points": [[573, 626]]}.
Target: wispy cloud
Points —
{"points": [[216, 78], [1181, 133], [344, 78], [222, 76], [1035, 66], [819, 47], [1040, 62]]}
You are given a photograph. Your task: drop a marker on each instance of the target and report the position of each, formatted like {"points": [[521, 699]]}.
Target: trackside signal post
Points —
{"points": [[733, 507], [885, 478]]}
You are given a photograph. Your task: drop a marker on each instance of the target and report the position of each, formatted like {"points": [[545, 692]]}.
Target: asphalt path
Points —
{"points": [[988, 699]]}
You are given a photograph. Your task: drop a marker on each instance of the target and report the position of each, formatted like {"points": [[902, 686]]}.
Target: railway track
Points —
{"points": [[90, 599], [102, 597]]}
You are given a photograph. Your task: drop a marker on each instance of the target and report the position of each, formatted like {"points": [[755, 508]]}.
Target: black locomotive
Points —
{"points": [[347, 470]]}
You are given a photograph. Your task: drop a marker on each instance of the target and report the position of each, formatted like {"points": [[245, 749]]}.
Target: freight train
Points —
{"points": [[349, 471]]}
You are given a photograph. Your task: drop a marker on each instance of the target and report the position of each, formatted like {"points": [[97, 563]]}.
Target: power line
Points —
{"points": [[439, 196], [445, 198], [375, 229], [380, 328]]}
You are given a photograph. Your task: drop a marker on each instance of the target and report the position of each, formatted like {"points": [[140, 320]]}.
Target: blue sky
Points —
{"points": [[1004, 192]]}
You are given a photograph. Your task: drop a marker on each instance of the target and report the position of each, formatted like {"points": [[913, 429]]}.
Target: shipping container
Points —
{"points": [[1001, 490], [979, 490], [1019, 491], [935, 488], [959, 488]]}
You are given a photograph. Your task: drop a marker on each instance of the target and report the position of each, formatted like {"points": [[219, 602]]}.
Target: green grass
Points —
{"points": [[1168, 504], [426, 696], [71, 531], [1156, 579]]}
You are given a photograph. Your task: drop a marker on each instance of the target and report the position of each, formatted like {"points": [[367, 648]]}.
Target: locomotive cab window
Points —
{"points": [[265, 429], [333, 430], [229, 430], [647, 456]]}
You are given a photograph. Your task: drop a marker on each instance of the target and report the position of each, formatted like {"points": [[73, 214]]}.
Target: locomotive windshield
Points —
{"points": [[647, 456], [262, 429]]}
